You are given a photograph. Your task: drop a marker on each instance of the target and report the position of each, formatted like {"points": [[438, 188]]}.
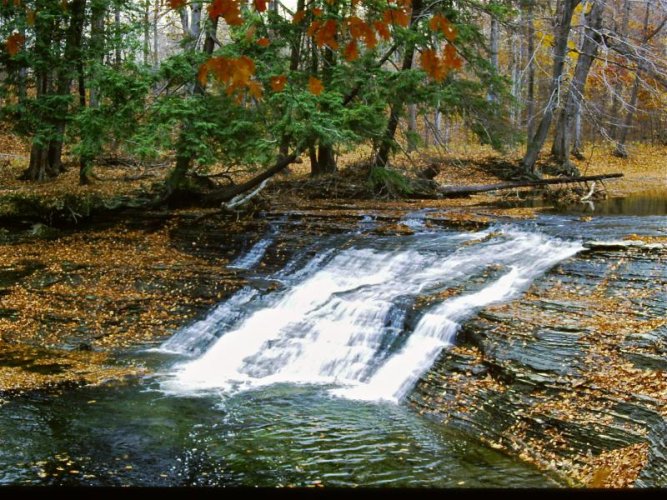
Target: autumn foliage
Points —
{"points": [[234, 72], [347, 35]]}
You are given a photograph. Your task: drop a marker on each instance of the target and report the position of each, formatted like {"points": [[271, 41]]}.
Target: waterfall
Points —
{"points": [[343, 322], [251, 258]]}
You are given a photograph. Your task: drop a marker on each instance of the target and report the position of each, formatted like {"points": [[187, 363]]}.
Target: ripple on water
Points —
{"points": [[277, 435]]}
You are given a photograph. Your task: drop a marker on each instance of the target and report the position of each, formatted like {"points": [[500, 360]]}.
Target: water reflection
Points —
{"points": [[651, 202]]}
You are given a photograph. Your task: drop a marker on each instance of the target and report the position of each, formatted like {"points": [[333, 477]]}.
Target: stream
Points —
{"points": [[302, 383]]}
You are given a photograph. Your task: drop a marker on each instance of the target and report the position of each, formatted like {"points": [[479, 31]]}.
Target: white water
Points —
{"points": [[253, 256], [337, 324], [199, 335]]}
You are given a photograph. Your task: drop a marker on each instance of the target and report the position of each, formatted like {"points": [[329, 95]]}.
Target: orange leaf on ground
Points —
{"points": [[264, 42], [315, 86]]}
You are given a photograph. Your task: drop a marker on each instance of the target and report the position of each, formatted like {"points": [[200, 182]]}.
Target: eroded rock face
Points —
{"points": [[572, 376]]}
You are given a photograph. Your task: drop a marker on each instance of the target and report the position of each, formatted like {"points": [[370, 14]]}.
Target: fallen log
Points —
{"points": [[227, 193], [465, 190]]}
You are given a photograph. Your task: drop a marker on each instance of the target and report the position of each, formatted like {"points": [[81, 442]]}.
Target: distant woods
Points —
{"points": [[252, 85]]}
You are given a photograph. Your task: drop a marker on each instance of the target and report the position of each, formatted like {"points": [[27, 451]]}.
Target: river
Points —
{"points": [[302, 383]]}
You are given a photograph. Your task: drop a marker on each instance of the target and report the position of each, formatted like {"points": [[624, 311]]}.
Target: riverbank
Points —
{"points": [[72, 297]]}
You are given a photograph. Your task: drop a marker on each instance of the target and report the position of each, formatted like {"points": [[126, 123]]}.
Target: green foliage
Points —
{"points": [[168, 113], [121, 94], [387, 182]]}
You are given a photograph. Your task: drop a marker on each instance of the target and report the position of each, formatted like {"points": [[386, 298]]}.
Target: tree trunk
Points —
{"points": [[396, 106], [21, 88], [156, 40], [326, 159], [147, 32], [117, 33], [98, 9], [516, 51], [618, 88], [494, 43], [563, 25], [412, 127], [38, 168], [46, 152], [562, 145], [97, 45], [620, 149], [577, 142], [175, 180], [528, 13], [295, 57]]}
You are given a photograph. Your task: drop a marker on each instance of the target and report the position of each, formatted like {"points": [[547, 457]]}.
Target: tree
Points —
{"points": [[562, 34], [592, 36]]}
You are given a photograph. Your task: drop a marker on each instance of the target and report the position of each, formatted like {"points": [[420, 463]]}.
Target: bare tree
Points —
{"points": [[592, 37], [644, 65], [563, 25]]}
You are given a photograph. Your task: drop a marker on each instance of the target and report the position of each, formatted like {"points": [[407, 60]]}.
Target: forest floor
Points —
{"points": [[72, 296]]}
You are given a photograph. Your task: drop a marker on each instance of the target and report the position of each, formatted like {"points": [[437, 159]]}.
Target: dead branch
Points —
{"points": [[465, 190]]}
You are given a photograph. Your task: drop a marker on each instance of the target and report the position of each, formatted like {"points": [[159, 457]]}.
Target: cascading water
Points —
{"points": [[342, 319], [251, 258]]}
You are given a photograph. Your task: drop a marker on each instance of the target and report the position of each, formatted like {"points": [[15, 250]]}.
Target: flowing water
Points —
{"points": [[342, 323], [301, 385]]}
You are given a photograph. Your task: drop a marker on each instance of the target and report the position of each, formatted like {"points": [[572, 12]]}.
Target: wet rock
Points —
{"points": [[547, 377], [622, 245]]}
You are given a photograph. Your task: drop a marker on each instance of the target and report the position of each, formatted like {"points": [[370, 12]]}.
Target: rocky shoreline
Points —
{"points": [[570, 378]]}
